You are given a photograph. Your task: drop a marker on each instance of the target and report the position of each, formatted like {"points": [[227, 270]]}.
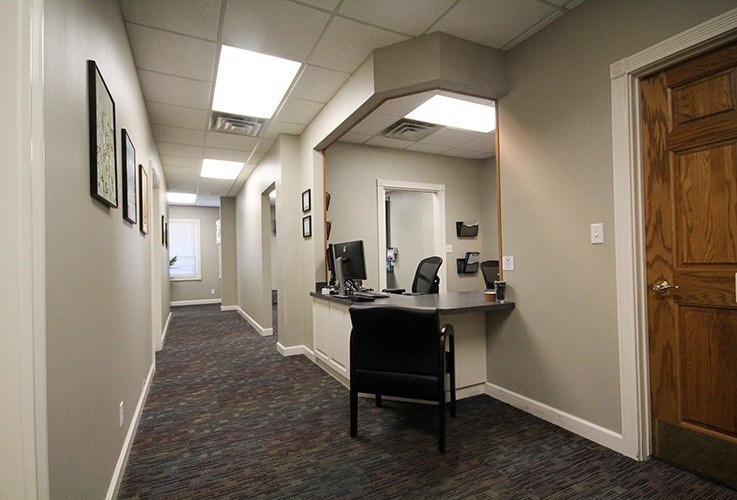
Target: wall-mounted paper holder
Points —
{"points": [[465, 229], [469, 264]]}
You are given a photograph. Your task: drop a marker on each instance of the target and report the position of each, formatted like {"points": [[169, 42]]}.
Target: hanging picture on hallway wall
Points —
{"points": [[163, 230], [130, 205], [103, 151], [307, 226], [306, 201], [143, 196]]}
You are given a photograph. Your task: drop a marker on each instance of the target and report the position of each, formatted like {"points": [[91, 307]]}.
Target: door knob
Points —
{"points": [[663, 286]]}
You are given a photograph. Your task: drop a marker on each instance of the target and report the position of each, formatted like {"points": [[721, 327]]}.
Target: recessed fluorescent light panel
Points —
{"points": [[251, 84], [181, 198], [221, 169], [456, 113]]}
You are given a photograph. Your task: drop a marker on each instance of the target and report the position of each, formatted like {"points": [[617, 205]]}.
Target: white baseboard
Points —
{"points": [[166, 330], [295, 351], [577, 425], [194, 302], [264, 332], [228, 308], [113, 489]]}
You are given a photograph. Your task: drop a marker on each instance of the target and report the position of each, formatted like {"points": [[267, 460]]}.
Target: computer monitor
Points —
{"points": [[354, 262], [330, 263]]}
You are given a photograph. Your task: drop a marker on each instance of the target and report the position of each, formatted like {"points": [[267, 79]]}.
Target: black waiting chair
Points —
{"points": [[426, 277], [400, 351], [490, 270]]}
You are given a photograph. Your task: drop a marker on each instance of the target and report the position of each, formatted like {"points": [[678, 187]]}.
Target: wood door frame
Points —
{"points": [[629, 224], [438, 192]]}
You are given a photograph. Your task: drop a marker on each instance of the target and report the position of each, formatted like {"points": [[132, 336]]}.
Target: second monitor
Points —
{"points": [[352, 260]]}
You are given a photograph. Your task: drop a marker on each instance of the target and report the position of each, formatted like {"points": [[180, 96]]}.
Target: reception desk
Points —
{"points": [[466, 311]]}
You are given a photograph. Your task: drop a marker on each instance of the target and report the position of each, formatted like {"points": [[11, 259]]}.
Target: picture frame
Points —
{"points": [[306, 200], [103, 139], [307, 226], [130, 191], [327, 201], [143, 196], [163, 230]]}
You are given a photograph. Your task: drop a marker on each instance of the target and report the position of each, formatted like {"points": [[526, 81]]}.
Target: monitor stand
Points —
{"points": [[342, 291]]}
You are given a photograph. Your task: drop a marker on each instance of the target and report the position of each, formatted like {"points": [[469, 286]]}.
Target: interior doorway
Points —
{"points": [[415, 220], [270, 251], [689, 144]]}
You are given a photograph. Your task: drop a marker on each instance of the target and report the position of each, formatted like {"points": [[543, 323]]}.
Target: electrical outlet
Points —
{"points": [[212, 291], [448, 248], [597, 234], [121, 414]]}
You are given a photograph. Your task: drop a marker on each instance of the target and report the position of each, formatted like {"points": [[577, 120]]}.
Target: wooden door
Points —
{"points": [[689, 140]]}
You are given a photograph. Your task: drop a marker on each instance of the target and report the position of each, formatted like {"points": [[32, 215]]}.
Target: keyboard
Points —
{"points": [[375, 295], [361, 297]]}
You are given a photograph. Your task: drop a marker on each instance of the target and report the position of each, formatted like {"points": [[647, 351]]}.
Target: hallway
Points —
{"points": [[227, 416]]}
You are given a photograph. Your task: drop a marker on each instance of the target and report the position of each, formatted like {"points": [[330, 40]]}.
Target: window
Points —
{"points": [[184, 244]]}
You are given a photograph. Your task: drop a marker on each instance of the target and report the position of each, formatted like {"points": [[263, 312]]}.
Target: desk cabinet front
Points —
{"points": [[332, 333]]}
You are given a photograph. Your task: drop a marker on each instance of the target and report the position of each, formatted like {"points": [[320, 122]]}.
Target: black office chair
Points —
{"points": [[400, 351], [426, 277], [490, 270]]}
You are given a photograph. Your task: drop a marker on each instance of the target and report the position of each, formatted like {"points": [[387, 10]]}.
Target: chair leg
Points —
{"points": [[378, 400], [354, 413], [441, 415], [452, 370]]}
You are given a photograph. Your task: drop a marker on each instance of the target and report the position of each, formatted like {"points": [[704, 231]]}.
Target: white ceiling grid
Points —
{"points": [[176, 45]]}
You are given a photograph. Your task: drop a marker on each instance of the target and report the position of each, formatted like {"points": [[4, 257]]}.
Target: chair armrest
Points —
{"points": [[447, 330], [397, 291]]}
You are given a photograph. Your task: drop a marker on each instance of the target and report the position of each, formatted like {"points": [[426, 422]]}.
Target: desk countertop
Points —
{"points": [[445, 303]]}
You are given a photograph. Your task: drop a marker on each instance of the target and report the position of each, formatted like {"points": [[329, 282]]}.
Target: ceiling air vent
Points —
{"points": [[235, 124], [409, 130]]}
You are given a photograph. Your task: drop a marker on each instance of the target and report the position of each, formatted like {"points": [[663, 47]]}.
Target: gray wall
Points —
{"points": [[560, 345], [209, 254], [98, 267], [350, 177], [229, 284]]}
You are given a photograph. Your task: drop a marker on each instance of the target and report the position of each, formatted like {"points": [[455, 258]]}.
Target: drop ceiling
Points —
{"points": [[175, 45]]}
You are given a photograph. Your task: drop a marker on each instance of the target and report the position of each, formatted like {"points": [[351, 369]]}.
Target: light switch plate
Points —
{"points": [[597, 234], [448, 248], [508, 263]]}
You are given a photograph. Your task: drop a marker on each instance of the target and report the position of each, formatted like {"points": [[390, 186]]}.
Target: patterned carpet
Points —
{"points": [[228, 417]]}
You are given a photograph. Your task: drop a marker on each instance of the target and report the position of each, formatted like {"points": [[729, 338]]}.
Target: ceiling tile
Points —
{"points": [[215, 186], [180, 161], [323, 4], [182, 173], [231, 141], [355, 137], [174, 90], [388, 142], [464, 153], [171, 53], [256, 158], [177, 116], [482, 143], [226, 154], [277, 127], [373, 124], [347, 43], [406, 16], [169, 149], [493, 22], [401, 106], [182, 179], [450, 137], [264, 146], [318, 84], [199, 18], [181, 186], [275, 27], [427, 148], [164, 133], [298, 111], [207, 200]]}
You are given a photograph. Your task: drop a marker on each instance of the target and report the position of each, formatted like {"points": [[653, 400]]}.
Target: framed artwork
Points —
{"points": [[327, 201], [306, 201], [130, 205], [163, 230], [307, 226], [103, 145], [143, 196]]}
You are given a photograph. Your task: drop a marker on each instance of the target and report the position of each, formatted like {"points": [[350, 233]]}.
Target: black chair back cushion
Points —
{"points": [[395, 339], [426, 275]]}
